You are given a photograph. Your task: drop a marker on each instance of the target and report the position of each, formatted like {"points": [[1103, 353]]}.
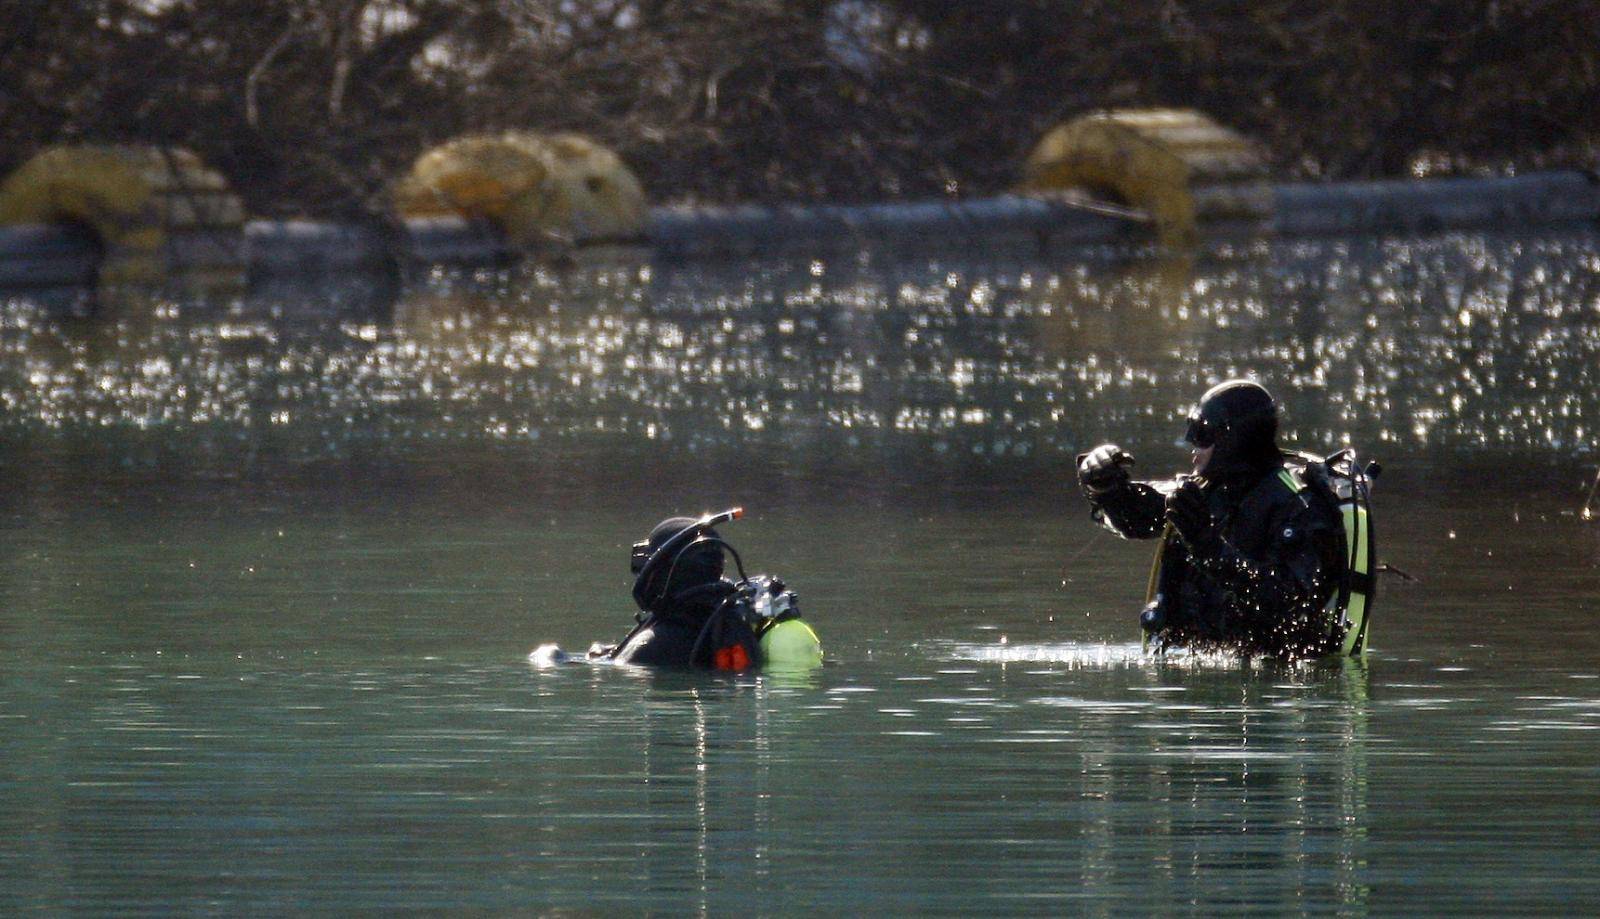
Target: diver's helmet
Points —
{"points": [[680, 553], [1240, 419]]}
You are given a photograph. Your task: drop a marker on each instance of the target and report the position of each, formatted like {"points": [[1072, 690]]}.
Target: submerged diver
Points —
{"points": [[1253, 542], [692, 616]]}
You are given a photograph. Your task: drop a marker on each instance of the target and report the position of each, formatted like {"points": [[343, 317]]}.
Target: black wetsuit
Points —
{"points": [[693, 628], [1259, 582]]}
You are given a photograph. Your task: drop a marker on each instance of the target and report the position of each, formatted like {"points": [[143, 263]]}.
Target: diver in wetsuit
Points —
{"points": [[686, 606], [1250, 555]]}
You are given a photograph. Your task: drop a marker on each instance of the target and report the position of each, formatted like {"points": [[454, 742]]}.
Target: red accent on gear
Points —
{"points": [[733, 657]]}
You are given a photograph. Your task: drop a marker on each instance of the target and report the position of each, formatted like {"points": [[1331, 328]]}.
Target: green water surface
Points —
{"points": [[271, 570]]}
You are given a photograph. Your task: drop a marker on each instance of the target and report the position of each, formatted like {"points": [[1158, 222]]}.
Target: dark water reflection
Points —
{"points": [[270, 572]]}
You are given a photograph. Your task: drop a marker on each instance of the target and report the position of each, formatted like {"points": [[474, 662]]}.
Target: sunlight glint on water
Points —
{"points": [[272, 571]]}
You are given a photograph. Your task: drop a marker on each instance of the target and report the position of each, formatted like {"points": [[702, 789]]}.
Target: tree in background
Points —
{"points": [[312, 106]]}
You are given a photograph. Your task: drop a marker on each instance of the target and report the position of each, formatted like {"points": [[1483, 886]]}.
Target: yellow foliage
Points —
{"points": [[136, 200], [1153, 160], [101, 187], [534, 187]]}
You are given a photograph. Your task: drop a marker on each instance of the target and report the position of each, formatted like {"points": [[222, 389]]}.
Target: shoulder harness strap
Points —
{"points": [[1292, 479]]}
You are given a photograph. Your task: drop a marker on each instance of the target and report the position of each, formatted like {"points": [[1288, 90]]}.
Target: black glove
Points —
{"points": [[1103, 468], [1189, 515]]}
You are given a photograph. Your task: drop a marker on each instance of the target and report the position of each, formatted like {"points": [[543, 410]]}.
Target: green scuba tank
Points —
{"points": [[790, 643], [1347, 485], [784, 639], [1358, 535], [1351, 485]]}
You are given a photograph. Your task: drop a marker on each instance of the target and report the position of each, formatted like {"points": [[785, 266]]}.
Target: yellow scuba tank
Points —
{"points": [[784, 639], [1351, 485], [1348, 484], [790, 643]]}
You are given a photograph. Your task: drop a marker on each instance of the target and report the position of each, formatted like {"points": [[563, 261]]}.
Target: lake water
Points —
{"points": [[272, 570]]}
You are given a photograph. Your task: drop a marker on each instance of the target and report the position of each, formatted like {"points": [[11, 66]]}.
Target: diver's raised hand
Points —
{"points": [[1103, 468]]}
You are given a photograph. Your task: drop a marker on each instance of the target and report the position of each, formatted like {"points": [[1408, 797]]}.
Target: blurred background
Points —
{"points": [[310, 106]]}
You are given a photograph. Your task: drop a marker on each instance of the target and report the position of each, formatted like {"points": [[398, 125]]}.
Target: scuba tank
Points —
{"points": [[764, 603], [773, 613], [1348, 487]]}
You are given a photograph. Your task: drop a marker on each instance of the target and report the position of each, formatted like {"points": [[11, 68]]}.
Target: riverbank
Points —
{"points": [[43, 257], [314, 108]]}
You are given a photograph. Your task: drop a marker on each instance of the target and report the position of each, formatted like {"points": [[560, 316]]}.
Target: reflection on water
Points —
{"points": [[1457, 341], [270, 572], [193, 785]]}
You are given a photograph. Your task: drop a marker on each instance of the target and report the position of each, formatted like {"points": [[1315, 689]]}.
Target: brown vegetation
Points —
{"points": [[313, 106]]}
